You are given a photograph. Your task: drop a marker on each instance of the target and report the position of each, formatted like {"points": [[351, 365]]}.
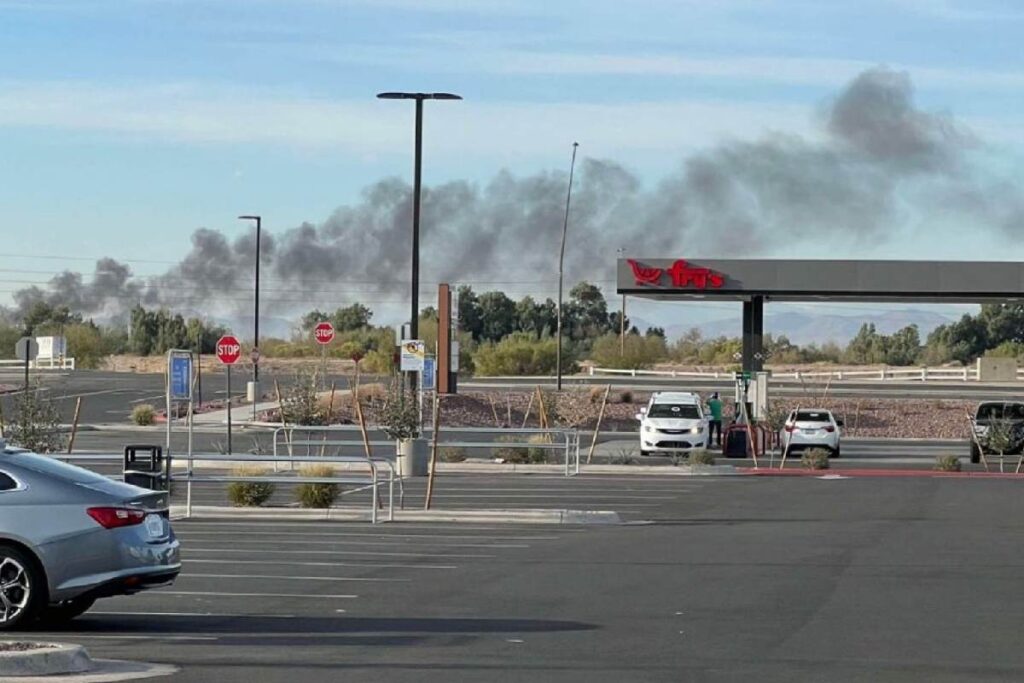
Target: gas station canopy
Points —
{"points": [[755, 281]]}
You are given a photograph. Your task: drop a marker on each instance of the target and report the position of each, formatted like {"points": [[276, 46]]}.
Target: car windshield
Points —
{"points": [[813, 416], [686, 412], [1001, 411], [54, 468]]}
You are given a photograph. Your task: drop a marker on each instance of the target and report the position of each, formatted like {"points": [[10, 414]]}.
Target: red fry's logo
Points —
{"points": [[681, 273], [645, 275], [700, 278]]}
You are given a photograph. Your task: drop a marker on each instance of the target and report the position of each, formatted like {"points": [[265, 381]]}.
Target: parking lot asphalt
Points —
{"points": [[736, 579]]}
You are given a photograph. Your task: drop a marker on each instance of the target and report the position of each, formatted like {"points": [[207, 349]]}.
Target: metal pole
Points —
{"points": [[622, 328], [28, 348], [256, 315], [414, 318], [229, 409], [561, 268]]}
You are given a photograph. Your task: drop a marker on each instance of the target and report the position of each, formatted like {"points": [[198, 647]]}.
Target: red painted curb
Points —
{"points": [[762, 472]]}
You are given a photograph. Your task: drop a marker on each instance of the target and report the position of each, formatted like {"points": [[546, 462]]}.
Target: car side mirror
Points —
{"points": [[840, 422], [641, 414]]}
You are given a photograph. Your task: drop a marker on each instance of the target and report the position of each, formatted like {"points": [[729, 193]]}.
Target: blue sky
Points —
{"points": [[125, 125]]}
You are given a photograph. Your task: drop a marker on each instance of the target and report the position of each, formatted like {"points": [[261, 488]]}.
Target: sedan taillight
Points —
{"points": [[829, 428], [790, 428], [112, 518]]}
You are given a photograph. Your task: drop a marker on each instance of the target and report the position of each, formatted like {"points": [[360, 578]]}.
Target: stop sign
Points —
{"points": [[228, 349], [323, 333]]}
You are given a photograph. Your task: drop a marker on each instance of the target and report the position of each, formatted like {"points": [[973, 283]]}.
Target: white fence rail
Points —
{"points": [[922, 374], [40, 364]]}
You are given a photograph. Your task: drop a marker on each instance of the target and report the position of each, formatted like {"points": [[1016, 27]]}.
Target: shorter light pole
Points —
{"points": [[622, 316], [256, 316], [561, 271]]}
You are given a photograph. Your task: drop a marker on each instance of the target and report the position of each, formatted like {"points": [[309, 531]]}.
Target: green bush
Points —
{"points": [[317, 495], [815, 459], [379, 362], [302, 402], [634, 353], [701, 457], [536, 454], [144, 414], [947, 463], [519, 354], [452, 454], [250, 493], [518, 454]]}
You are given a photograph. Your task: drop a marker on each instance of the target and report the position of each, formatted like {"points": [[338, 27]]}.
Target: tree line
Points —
{"points": [[499, 335]]}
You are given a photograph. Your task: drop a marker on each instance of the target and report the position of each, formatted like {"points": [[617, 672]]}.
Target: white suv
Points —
{"points": [[811, 428], [672, 422]]}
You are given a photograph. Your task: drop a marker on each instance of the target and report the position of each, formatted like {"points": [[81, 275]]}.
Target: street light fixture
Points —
{"points": [[561, 264], [256, 315], [417, 172]]}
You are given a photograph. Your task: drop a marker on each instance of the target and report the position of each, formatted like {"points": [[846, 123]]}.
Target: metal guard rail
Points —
{"points": [[372, 482], [571, 443]]}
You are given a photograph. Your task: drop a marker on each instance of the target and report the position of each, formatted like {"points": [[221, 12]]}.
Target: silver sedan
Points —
{"points": [[69, 536]]}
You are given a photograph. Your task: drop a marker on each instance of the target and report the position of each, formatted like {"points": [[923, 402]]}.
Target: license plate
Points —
{"points": [[155, 526]]}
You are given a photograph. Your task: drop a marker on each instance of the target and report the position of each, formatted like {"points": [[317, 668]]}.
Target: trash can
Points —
{"points": [[144, 467], [735, 443]]}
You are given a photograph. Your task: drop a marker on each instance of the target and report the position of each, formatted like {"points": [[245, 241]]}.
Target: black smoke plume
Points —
{"points": [[878, 158]]}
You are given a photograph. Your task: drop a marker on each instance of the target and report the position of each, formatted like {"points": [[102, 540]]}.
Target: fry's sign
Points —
{"points": [[681, 274]]}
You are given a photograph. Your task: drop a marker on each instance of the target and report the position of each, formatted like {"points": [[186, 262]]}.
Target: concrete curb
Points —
{"points": [[536, 516], [106, 671], [56, 658], [878, 473]]}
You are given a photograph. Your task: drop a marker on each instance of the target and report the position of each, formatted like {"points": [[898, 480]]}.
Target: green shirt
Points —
{"points": [[715, 406]]}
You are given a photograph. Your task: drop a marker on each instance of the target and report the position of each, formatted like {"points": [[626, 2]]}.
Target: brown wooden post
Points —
{"points": [[444, 339]]}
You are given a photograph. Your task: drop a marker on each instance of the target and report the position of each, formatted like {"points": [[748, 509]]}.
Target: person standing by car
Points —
{"points": [[715, 423]]}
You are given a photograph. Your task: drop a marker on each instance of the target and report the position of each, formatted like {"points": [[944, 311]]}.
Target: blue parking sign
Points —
{"points": [[428, 374], [179, 369]]}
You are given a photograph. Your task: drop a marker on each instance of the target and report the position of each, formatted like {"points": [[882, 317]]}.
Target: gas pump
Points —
{"points": [[744, 406]]}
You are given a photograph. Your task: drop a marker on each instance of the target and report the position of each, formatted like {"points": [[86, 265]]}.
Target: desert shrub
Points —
{"points": [[947, 463], [451, 454], [250, 493], [626, 396], [1000, 436], [517, 454], [520, 354], [35, 423], [375, 392], [701, 457], [379, 362], [596, 394], [302, 404], [317, 495], [635, 352], [815, 459], [536, 454], [144, 414]]}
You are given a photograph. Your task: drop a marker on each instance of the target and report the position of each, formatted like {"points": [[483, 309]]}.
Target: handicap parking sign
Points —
{"points": [[179, 380]]}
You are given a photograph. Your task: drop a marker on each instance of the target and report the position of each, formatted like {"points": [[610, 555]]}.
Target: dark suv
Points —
{"points": [[991, 411]]}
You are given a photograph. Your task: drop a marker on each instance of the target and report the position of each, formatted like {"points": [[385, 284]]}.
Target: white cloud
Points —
{"points": [[213, 115]]}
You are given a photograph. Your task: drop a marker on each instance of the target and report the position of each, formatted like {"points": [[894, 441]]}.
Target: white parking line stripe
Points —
{"points": [[326, 564], [57, 636], [218, 594], [369, 579], [186, 536], [334, 524], [260, 551], [352, 535], [188, 614]]}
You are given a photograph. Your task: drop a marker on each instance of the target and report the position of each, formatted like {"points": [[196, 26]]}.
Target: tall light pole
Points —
{"points": [[561, 269], [256, 315], [414, 315]]}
